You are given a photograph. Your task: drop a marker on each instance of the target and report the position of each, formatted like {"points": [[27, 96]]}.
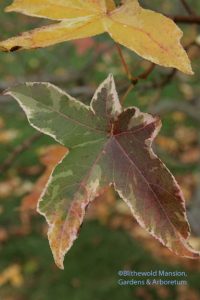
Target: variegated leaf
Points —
{"points": [[107, 146]]}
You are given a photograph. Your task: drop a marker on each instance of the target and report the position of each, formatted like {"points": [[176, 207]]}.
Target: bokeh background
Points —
{"points": [[110, 239]]}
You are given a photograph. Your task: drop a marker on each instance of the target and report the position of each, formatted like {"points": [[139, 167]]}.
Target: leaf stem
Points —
{"points": [[147, 72], [123, 61], [135, 80], [129, 89]]}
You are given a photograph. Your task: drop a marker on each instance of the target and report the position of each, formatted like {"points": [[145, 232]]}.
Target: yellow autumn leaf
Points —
{"points": [[151, 35], [12, 274], [55, 33], [62, 9]]}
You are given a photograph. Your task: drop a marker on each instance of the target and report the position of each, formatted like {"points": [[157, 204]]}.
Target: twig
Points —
{"points": [[19, 150], [147, 72], [129, 89], [135, 80], [192, 19], [143, 75], [187, 7], [123, 61], [168, 78]]}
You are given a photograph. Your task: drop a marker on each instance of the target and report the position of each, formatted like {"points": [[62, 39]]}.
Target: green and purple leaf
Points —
{"points": [[107, 146]]}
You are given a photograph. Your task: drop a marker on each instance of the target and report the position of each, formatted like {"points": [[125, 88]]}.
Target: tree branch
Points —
{"points": [[19, 150], [192, 19]]}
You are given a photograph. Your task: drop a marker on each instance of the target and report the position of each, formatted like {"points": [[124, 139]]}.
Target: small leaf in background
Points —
{"points": [[151, 35], [12, 275], [103, 206], [9, 186], [188, 183], [191, 156], [107, 146], [83, 45], [6, 136], [167, 143], [52, 156]]}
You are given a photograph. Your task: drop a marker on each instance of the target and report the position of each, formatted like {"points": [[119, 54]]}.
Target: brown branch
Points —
{"points": [[135, 80], [192, 19], [19, 150], [147, 72], [143, 75]]}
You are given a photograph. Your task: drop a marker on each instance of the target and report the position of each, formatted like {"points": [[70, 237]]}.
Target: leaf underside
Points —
{"points": [[151, 35], [107, 146]]}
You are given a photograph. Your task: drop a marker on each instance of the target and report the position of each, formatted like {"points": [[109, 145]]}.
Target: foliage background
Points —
{"points": [[110, 240]]}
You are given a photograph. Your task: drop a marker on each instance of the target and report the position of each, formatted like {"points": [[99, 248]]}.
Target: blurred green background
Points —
{"points": [[110, 240]]}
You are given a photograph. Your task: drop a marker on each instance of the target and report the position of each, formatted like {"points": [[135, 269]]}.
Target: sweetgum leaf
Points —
{"points": [[151, 35], [107, 146]]}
